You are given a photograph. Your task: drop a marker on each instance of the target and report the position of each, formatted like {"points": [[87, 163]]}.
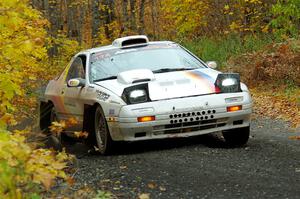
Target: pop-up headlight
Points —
{"points": [[228, 82], [136, 94]]}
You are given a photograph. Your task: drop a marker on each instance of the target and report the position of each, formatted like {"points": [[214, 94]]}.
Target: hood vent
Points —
{"points": [[130, 41]]}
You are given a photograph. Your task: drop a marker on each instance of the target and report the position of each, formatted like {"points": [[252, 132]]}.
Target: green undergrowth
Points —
{"points": [[221, 48]]}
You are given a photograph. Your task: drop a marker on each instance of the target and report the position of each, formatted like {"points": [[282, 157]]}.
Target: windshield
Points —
{"points": [[157, 58]]}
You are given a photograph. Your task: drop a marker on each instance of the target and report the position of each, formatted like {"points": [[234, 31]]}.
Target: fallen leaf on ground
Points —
{"points": [[123, 167], [152, 185], [144, 196], [162, 188], [81, 134]]}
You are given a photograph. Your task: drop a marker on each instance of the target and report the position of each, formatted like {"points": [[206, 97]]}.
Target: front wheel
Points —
{"points": [[103, 138], [237, 137]]}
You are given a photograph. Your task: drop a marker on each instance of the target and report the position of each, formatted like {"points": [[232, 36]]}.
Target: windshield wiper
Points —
{"points": [[164, 70], [106, 78]]}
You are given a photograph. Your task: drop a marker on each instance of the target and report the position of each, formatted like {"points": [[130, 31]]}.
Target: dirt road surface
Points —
{"points": [[198, 167]]}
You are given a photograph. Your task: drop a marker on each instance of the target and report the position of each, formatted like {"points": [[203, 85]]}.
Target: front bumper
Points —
{"points": [[181, 117]]}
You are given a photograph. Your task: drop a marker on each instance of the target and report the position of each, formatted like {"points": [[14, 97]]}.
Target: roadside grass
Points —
{"points": [[221, 48]]}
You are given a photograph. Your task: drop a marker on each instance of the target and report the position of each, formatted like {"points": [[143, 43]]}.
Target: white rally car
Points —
{"points": [[139, 90]]}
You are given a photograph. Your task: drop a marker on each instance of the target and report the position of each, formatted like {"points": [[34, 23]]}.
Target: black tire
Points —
{"points": [[54, 141], [45, 113], [102, 134], [237, 137]]}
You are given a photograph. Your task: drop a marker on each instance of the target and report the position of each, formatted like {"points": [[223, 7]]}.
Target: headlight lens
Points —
{"points": [[228, 82], [137, 96]]}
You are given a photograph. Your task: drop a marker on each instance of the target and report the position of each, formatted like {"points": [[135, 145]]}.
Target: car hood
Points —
{"points": [[170, 84]]}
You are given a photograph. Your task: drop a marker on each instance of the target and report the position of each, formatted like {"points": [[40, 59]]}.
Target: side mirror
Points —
{"points": [[212, 64], [76, 82]]}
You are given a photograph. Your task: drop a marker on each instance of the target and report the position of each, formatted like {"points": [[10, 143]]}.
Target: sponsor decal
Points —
{"points": [[207, 81], [125, 51], [102, 95], [114, 52], [100, 55]]}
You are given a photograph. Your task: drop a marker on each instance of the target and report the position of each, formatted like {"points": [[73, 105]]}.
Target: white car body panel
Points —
{"points": [[128, 77]]}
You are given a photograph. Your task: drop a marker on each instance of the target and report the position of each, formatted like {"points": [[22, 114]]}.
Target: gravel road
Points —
{"points": [[198, 167]]}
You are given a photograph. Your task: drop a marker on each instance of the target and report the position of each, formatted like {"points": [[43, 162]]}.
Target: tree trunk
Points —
{"points": [[125, 16], [108, 16], [132, 15], [141, 17], [95, 19], [154, 24]]}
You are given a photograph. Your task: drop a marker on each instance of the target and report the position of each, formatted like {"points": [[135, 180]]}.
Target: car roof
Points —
{"points": [[112, 47]]}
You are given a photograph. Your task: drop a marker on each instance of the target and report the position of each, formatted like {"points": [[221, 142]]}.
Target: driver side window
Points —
{"points": [[77, 68]]}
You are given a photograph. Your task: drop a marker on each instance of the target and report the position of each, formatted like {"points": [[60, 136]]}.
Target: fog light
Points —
{"points": [[146, 118], [234, 108]]}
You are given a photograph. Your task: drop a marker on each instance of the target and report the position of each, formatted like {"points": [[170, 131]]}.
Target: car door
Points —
{"points": [[73, 96]]}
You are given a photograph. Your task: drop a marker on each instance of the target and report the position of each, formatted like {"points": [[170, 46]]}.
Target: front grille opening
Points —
{"points": [[168, 126], [186, 125], [171, 126], [237, 122], [220, 125], [140, 134], [208, 121], [192, 114], [191, 123]]}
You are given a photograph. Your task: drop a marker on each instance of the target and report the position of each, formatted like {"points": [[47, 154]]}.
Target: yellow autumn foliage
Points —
{"points": [[22, 38], [25, 171], [184, 17]]}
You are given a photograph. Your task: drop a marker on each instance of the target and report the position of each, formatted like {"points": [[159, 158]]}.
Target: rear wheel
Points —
{"points": [[103, 138], [237, 137]]}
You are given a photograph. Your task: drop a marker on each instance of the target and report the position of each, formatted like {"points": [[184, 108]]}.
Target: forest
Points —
{"points": [[257, 38], [96, 22]]}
